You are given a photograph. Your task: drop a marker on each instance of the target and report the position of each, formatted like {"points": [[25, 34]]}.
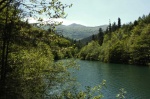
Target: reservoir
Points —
{"points": [[134, 79]]}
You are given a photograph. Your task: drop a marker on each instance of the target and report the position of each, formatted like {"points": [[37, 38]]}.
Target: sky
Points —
{"points": [[99, 12]]}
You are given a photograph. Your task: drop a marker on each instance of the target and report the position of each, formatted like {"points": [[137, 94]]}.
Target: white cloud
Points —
{"points": [[65, 21], [45, 20], [31, 20]]}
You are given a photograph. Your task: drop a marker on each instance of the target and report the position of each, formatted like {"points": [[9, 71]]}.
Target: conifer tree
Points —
{"points": [[114, 27], [119, 22], [110, 28], [100, 36], [93, 37]]}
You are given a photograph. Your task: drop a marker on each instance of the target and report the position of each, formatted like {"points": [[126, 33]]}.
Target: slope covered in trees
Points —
{"points": [[129, 44], [31, 54], [27, 67]]}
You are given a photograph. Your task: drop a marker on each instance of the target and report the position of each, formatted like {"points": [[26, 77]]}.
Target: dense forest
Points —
{"points": [[126, 44]]}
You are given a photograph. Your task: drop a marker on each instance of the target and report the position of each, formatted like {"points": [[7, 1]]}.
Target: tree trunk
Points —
{"points": [[4, 57]]}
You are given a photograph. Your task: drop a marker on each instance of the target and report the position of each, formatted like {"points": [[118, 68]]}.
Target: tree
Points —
{"points": [[139, 52], [110, 30], [135, 23], [114, 27], [4, 4], [9, 15], [110, 27], [117, 53], [107, 30], [93, 37], [90, 51], [100, 36], [119, 23]]}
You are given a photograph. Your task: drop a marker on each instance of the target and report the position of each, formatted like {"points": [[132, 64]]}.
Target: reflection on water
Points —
{"points": [[134, 79]]}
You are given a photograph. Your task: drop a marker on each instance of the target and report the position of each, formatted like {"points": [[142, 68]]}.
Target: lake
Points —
{"points": [[134, 79]]}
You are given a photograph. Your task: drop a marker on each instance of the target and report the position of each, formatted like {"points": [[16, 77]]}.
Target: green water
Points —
{"points": [[134, 79]]}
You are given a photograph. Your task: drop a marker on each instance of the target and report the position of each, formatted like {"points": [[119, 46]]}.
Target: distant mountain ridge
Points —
{"points": [[77, 31]]}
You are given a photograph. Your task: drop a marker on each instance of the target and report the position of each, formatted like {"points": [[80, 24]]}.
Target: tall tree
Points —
{"points": [[110, 27], [114, 27], [9, 15], [100, 36], [93, 37], [110, 30], [119, 23]]}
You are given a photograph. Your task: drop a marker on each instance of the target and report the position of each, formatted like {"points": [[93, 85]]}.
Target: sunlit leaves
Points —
{"points": [[90, 51], [130, 44], [140, 49]]}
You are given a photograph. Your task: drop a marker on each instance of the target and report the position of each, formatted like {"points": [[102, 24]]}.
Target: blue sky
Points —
{"points": [[98, 12]]}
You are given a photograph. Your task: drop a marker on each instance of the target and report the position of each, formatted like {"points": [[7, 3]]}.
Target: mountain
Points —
{"points": [[77, 31]]}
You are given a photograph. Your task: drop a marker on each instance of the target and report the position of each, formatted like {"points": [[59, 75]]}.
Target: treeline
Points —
{"points": [[127, 43]]}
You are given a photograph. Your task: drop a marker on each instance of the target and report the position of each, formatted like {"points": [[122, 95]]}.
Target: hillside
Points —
{"points": [[74, 31], [128, 44], [77, 31]]}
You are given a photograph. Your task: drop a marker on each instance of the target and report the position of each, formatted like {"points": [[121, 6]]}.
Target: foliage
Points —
{"points": [[118, 54], [90, 51], [29, 71], [100, 36], [128, 44], [27, 63], [32, 71], [140, 49], [61, 47], [89, 93]]}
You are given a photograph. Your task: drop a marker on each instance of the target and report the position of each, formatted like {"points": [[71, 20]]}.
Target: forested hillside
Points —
{"points": [[129, 43], [31, 54], [27, 67], [75, 31]]}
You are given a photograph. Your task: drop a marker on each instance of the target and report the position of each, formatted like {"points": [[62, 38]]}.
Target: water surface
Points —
{"points": [[134, 79]]}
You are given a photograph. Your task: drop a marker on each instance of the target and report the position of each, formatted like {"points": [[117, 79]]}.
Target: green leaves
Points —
{"points": [[140, 49], [90, 51], [130, 45]]}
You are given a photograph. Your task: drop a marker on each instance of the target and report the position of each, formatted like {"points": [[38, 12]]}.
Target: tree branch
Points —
{"points": [[1, 8]]}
